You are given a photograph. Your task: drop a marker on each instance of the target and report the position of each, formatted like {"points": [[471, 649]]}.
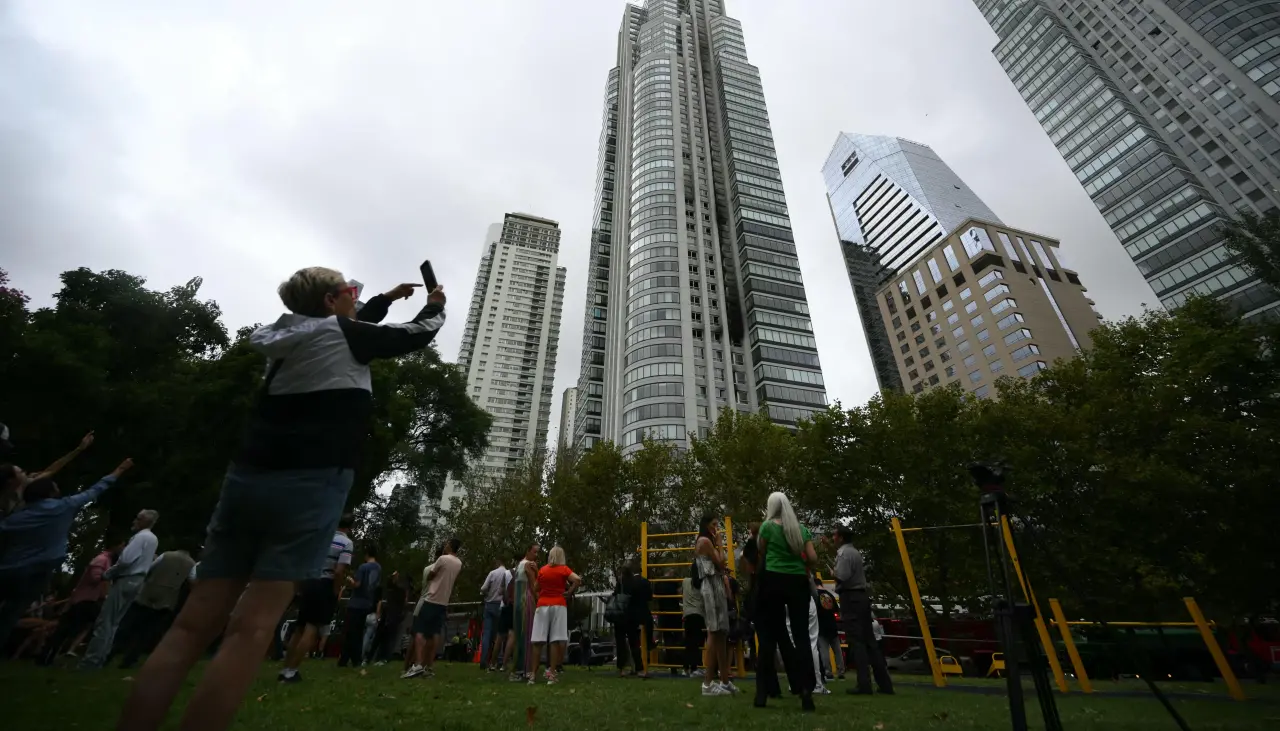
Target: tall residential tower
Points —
{"points": [[1166, 111], [891, 200], [509, 344], [695, 300]]}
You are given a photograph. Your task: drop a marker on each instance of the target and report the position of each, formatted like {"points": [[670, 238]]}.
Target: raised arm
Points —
{"points": [[368, 341], [575, 581], [84, 497], [65, 459]]}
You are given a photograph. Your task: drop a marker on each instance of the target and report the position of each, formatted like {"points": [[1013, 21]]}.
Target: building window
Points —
{"points": [[992, 276], [1016, 335], [971, 308], [996, 366], [982, 391], [970, 360], [950, 371], [915, 327], [1032, 368], [983, 336], [966, 293], [975, 376]]}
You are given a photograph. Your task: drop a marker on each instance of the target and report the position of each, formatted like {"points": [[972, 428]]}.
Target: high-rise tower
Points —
{"points": [[1166, 111], [891, 200], [509, 344], [695, 300]]}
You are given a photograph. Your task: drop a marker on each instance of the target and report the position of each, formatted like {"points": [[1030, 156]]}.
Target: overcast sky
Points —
{"points": [[238, 141]]}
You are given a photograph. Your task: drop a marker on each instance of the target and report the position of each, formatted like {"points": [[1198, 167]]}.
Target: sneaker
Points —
{"points": [[516, 677], [380, 663], [296, 677], [698, 673], [729, 686], [531, 681], [429, 673], [821, 690], [552, 679], [715, 689], [413, 672]]}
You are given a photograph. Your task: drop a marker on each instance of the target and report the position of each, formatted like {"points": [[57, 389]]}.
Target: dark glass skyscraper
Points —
{"points": [[694, 300], [1167, 114]]}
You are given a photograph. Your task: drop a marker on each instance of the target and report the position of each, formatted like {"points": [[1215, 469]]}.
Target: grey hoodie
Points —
{"points": [[317, 398]]}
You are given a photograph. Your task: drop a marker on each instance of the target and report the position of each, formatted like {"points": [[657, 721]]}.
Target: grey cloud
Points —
{"points": [[240, 140]]}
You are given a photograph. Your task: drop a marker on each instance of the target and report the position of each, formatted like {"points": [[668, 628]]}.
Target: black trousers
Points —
{"points": [[855, 615], [784, 596], [695, 629], [140, 631], [626, 635], [386, 639], [353, 638]]}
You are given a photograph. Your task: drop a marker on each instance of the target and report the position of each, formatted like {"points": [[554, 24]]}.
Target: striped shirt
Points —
{"points": [[340, 549]]}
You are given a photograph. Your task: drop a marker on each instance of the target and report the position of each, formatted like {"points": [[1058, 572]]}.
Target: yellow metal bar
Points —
{"points": [[1229, 677], [677, 563], [1083, 622], [934, 667], [654, 581], [644, 571], [1041, 629], [672, 535], [1061, 620]]}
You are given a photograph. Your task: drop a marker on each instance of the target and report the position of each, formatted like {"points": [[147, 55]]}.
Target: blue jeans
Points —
{"points": [[492, 614]]}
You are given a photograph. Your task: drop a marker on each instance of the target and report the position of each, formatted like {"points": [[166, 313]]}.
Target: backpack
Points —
{"points": [[615, 610]]}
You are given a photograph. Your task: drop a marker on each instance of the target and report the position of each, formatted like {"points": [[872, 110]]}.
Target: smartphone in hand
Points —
{"points": [[428, 276]]}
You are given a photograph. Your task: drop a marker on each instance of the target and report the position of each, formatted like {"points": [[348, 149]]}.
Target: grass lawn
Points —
{"points": [[461, 697]]}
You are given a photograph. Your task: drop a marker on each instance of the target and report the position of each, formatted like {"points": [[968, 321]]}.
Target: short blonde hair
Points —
{"points": [[556, 556], [304, 292]]}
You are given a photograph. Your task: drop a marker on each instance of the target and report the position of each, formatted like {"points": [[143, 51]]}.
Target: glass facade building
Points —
{"points": [[694, 300], [891, 200], [510, 341], [1167, 114]]}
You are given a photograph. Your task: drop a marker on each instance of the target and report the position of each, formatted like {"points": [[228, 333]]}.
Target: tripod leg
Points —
{"points": [[1039, 670]]}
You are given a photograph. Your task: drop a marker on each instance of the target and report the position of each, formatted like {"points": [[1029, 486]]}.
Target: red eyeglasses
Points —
{"points": [[355, 291]]}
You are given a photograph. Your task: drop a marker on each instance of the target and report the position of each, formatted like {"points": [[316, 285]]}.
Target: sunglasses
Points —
{"points": [[344, 290]]}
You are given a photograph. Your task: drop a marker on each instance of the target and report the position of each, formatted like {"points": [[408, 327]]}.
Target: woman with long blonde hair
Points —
{"points": [[787, 557]]}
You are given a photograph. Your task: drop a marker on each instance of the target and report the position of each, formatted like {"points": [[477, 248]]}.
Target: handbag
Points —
{"points": [[615, 610]]}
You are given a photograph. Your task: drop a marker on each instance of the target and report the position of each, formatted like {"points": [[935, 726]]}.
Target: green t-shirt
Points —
{"points": [[779, 558]]}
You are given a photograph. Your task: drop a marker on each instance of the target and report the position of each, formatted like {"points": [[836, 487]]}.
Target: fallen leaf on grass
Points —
{"points": [[572, 691], [530, 715], [364, 672], [264, 695], [878, 727], [127, 678], [688, 705], [941, 716]]}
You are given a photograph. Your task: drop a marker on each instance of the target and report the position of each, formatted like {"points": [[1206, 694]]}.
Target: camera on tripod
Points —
{"points": [[1014, 619]]}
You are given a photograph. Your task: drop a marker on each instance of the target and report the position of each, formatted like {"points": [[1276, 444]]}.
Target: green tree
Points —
{"points": [[1255, 239], [742, 459]]}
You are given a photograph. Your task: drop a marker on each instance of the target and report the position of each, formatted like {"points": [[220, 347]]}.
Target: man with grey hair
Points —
{"points": [[126, 577], [284, 491]]}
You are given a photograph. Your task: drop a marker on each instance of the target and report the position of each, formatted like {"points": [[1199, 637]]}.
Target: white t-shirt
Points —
{"points": [[439, 588], [495, 584]]}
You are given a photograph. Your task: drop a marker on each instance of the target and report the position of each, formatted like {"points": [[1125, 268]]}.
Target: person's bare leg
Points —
{"points": [[722, 656], [301, 644], [555, 656], [709, 675], [202, 618], [509, 650], [430, 648], [235, 667], [535, 659]]}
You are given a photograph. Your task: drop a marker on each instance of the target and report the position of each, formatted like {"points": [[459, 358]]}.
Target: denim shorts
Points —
{"points": [[429, 621], [274, 525]]}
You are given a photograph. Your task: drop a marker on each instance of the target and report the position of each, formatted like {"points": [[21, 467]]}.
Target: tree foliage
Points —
{"points": [[1255, 239], [1143, 471], [158, 378]]}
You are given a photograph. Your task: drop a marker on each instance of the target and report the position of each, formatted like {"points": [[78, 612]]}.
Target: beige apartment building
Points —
{"points": [[986, 301]]}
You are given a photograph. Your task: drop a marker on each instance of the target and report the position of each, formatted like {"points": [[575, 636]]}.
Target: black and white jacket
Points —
{"points": [[317, 400]]}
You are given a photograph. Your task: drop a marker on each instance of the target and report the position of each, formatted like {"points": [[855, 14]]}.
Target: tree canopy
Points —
{"points": [[1143, 471]]}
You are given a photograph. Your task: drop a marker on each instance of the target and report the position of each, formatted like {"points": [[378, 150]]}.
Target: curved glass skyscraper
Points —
{"points": [[695, 300]]}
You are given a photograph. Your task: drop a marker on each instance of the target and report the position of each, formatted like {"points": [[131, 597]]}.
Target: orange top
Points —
{"points": [[552, 582]]}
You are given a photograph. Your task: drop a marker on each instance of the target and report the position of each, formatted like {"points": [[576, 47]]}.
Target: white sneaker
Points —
{"points": [[821, 690], [715, 689], [729, 686], [380, 663], [698, 673], [413, 671]]}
